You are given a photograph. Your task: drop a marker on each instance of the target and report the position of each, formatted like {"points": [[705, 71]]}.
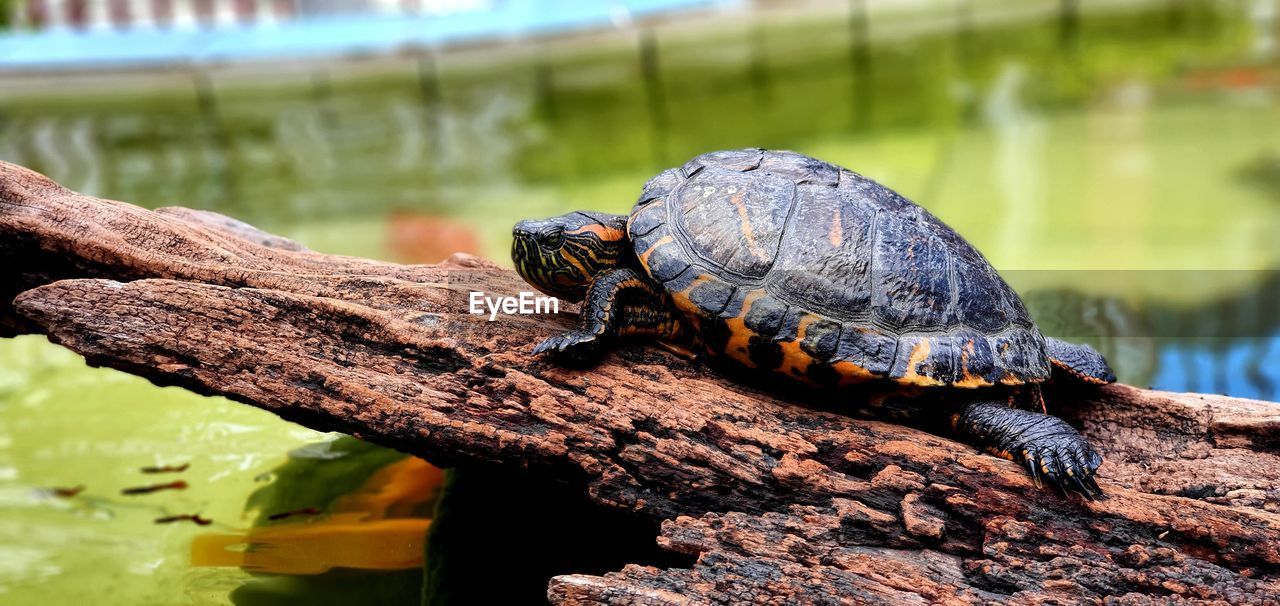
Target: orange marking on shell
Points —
{"points": [[748, 233], [739, 334], [971, 381], [919, 353], [795, 361], [644, 256], [836, 235], [1010, 379], [681, 297], [967, 379], [851, 373]]}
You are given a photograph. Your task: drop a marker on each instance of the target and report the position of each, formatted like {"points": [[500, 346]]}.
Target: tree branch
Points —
{"points": [[780, 503]]}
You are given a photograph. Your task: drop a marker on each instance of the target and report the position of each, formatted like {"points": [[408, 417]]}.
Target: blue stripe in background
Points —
{"points": [[311, 37]]}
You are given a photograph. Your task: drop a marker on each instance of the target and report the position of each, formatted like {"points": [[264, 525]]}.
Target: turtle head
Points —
{"points": [[561, 255]]}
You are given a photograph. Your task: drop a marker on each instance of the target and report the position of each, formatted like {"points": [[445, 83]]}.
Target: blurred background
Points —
{"points": [[1117, 161]]}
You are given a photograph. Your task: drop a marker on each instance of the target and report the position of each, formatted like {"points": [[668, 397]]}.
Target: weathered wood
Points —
{"points": [[779, 502]]}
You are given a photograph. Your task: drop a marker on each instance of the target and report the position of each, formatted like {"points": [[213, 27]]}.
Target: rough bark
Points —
{"points": [[779, 502]]}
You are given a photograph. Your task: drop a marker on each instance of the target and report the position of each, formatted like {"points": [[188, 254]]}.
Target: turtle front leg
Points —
{"points": [[619, 303], [1049, 448]]}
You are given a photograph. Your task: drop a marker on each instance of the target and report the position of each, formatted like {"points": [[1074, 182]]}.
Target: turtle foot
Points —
{"points": [[1065, 460], [1051, 450], [572, 345]]}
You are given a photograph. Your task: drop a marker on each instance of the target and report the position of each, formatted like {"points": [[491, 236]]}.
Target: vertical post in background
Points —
{"points": [[1068, 25], [207, 103], [544, 89], [429, 88], [758, 70], [37, 14], [1275, 31], [322, 96], [9, 13], [245, 11], [205, 12], [216, 135], [162, 13], [119, 14], [964, 36], [1176, 15], [78, 14], [655, 96], [284, 10], [860, 57]]}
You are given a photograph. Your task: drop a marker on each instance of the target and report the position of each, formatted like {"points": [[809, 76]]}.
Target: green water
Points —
{"points": [[1093, 164], [64, 425]]}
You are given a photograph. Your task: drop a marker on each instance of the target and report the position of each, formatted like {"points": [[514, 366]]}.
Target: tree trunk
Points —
{"points": [[779, 503]]}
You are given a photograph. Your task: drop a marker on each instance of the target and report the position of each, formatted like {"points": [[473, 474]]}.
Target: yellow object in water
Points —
{"points": [[366, 529], [316, 548], [395, 491]]}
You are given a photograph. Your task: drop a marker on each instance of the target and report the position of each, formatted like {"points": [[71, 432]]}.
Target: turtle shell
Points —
{"points": [[787, 263]]}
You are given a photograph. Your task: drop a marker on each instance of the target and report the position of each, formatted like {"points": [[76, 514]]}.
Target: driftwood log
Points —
{"points": [[775, 502]]}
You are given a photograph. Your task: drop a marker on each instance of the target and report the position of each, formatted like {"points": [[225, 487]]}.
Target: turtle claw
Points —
{"points": [[1034, 471], [1093, 485], [1079, 487], [573, 345], [1068, 463]]}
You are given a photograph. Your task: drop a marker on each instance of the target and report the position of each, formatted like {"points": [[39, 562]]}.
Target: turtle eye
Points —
{"points": [[554, 238]]}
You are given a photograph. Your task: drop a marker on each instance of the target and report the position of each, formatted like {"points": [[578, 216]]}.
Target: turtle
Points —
{"points": [[781, 264]]}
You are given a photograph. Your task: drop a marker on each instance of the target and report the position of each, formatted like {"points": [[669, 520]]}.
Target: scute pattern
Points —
{"points": [[734, 220], [910, 275], [831, 272], [799, 168], [787, 263], [740, 160]]}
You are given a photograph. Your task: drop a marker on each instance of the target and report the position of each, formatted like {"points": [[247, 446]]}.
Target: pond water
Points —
{"points": [[1121, 168]]}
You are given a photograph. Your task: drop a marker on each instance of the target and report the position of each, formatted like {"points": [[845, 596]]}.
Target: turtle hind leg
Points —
{"points": [[1049, 449], [1080, 362]]}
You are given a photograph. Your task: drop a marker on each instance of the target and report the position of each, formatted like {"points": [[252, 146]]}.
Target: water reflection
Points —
{"points": [[1228, 344], [430, 133]]}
